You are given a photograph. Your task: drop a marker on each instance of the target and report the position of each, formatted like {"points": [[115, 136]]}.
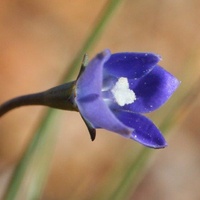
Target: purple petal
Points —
{"points": [[89, 98], [97, 113], [90, 81], [145, 132], [131, 65], [152, 91]]}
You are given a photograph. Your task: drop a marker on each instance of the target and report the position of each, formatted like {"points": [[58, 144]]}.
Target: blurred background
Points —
{"points": [[38, 40]]}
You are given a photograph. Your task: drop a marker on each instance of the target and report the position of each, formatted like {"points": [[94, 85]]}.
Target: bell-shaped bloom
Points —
{"points": [[115, 90]]}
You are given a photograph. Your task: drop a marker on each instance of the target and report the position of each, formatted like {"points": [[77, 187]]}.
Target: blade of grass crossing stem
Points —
{"points": [[24, 164], [41, 135], [104, 17]]}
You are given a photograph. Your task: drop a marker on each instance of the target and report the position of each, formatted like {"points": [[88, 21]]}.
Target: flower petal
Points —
{"points": [[131, 65], [90, 101], [90, 81], [97, 113], [152, 91], [145, 132]]}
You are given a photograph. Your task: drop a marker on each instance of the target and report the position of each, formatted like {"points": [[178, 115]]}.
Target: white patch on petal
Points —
{"points": [[123, 95]]}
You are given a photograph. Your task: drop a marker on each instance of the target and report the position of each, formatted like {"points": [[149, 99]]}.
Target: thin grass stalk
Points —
{"points": [[23, 165], [136, 170]]}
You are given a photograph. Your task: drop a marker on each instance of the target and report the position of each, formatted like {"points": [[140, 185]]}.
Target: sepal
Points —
{"points": [[92, 131], [61, 97]]}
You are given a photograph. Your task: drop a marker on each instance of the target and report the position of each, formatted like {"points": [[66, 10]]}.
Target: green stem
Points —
{"points": [[61, 97], [25, 100]]}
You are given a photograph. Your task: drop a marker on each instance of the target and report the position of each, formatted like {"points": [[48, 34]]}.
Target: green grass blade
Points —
{"points": [[24, 163], [92, 39], [44, 134], [134, 173]]}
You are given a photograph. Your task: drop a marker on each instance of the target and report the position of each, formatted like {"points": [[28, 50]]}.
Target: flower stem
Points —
{"points": [[60, 97], [31, 99]]}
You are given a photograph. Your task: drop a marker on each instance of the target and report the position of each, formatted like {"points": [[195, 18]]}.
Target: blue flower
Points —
{"points": [[114, 90]]}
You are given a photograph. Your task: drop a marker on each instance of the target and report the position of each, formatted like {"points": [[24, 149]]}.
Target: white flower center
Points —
{"points": [[123, 95]]}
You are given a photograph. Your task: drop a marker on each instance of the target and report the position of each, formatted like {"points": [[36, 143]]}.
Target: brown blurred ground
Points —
{"points": [[38, 39]]}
